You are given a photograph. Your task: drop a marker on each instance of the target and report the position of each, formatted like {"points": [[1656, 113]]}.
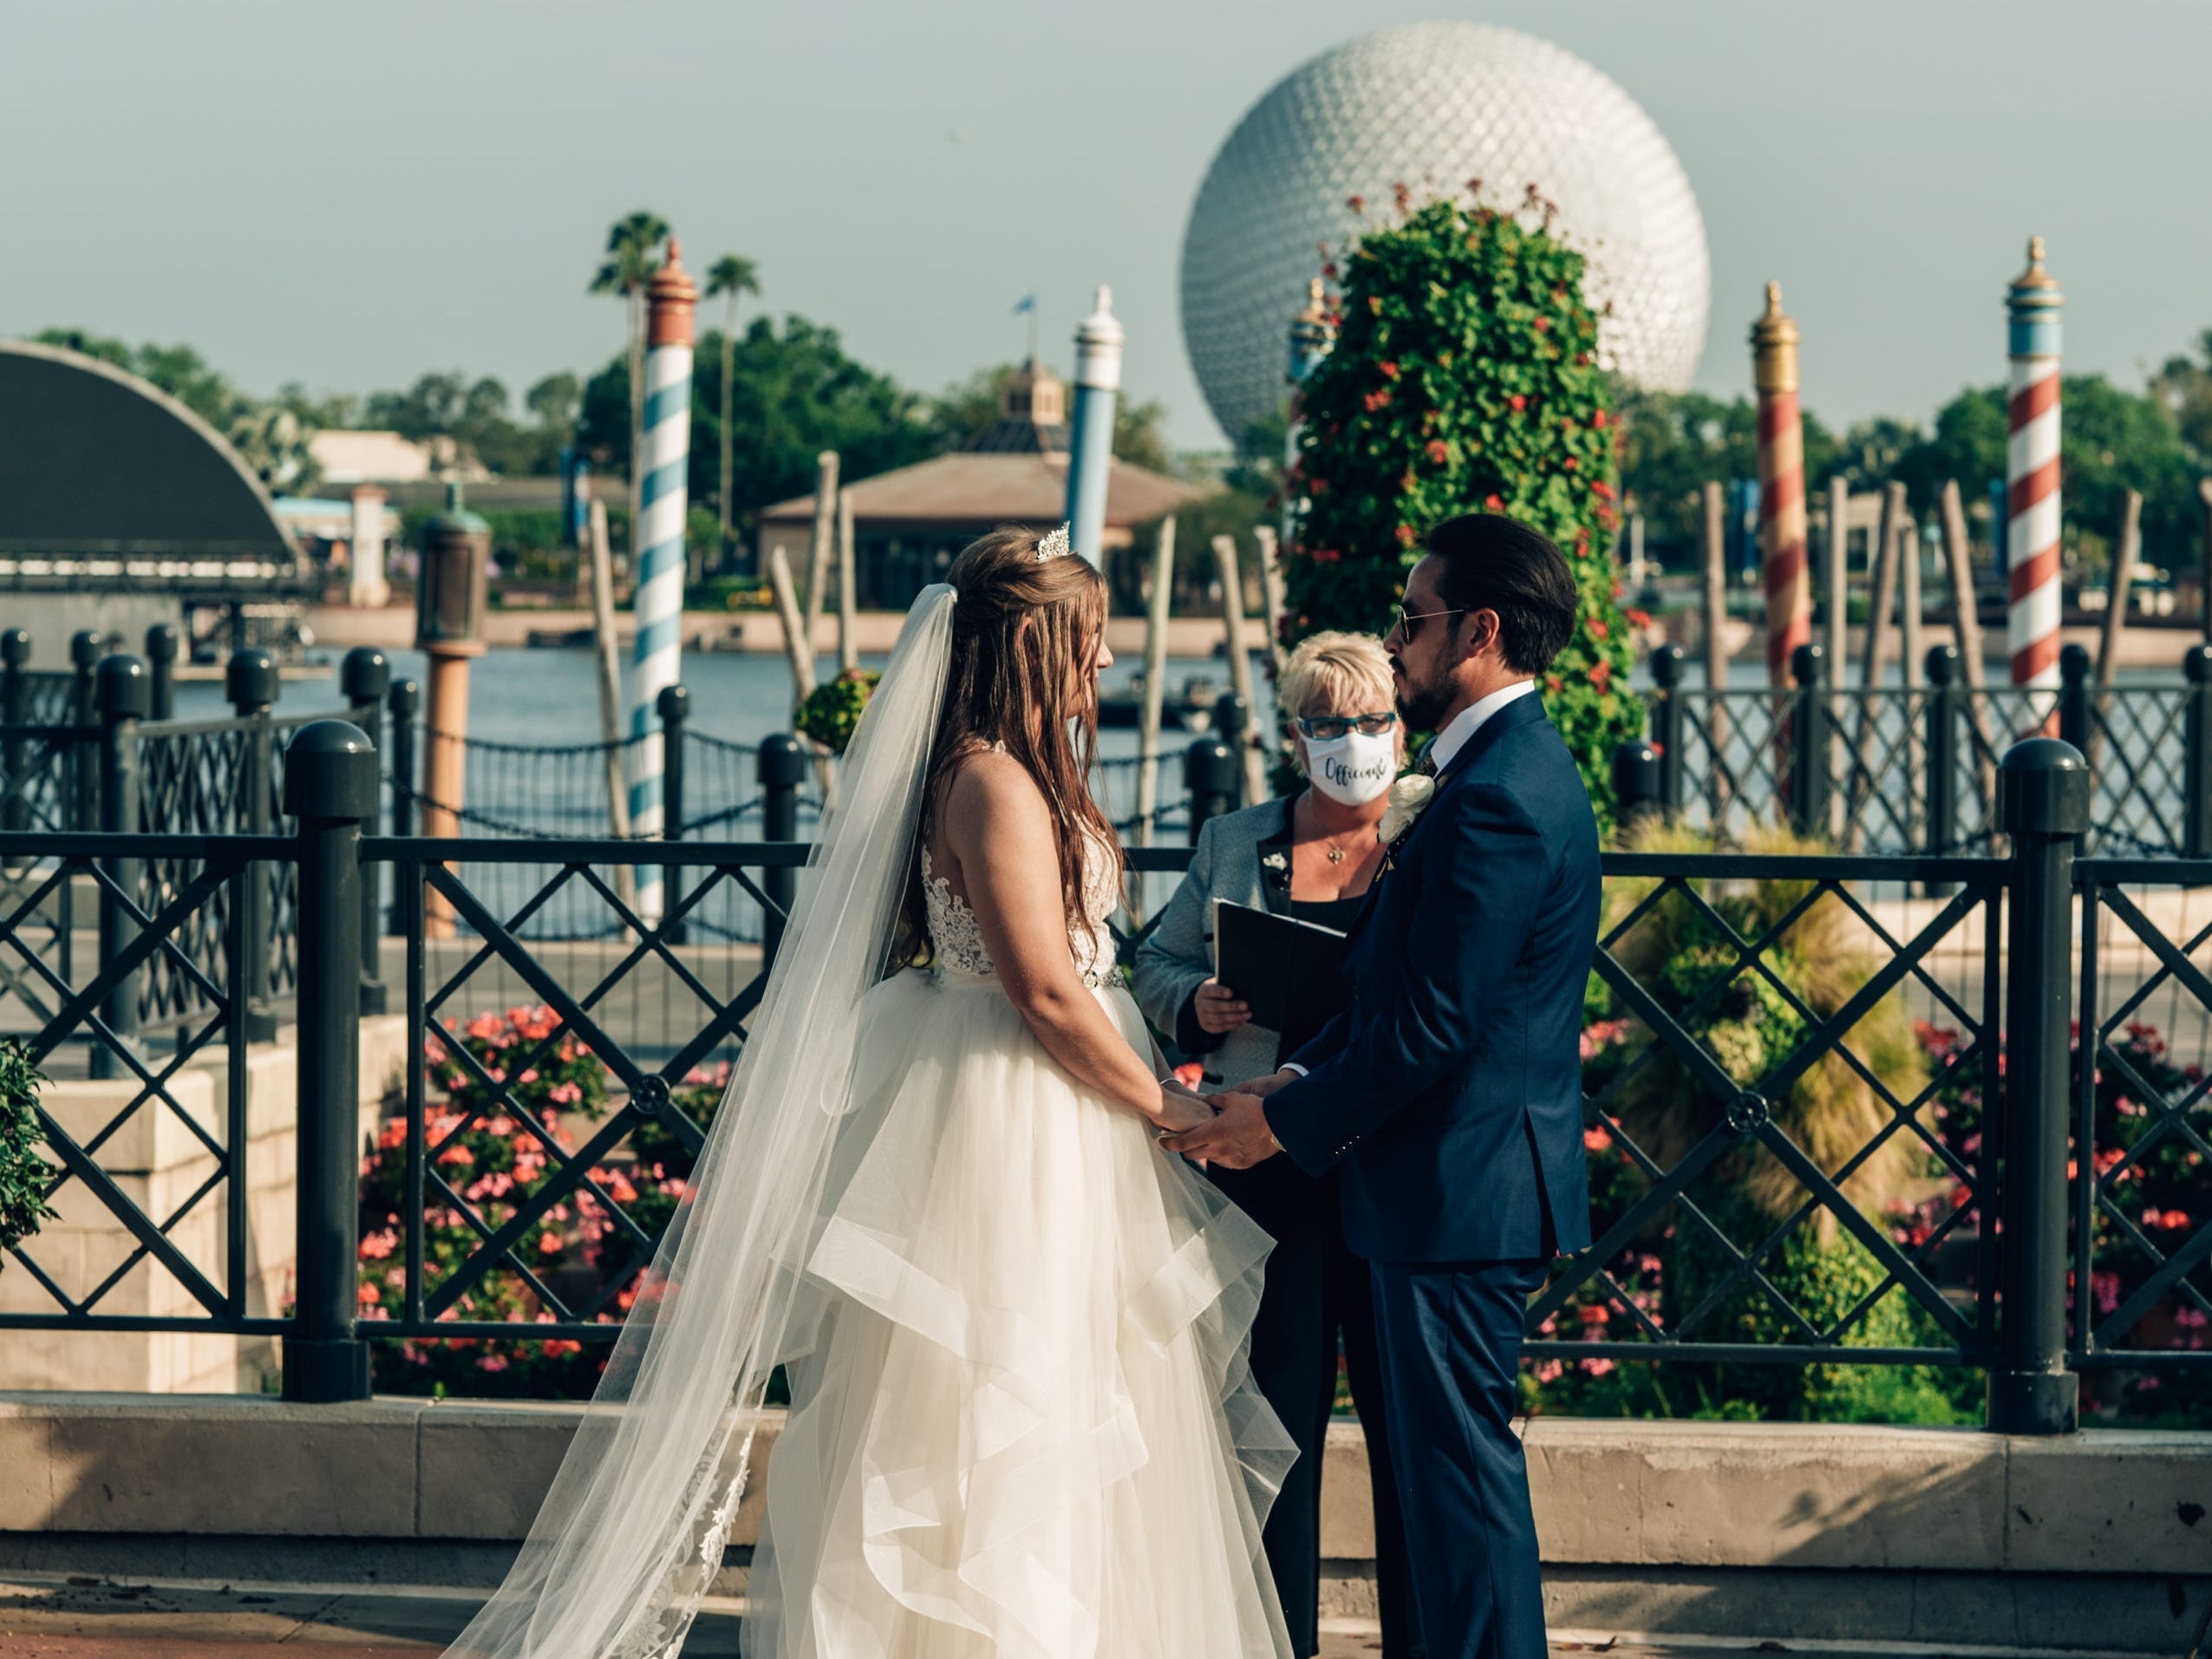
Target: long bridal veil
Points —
{"points": [[633, 1529]]}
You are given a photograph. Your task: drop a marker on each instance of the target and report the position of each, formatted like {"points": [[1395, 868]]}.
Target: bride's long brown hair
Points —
{"points": [[1025, 634]]}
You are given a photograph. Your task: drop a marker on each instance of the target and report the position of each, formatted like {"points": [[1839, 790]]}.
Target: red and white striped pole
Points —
{"points": [[1782, 557], [2032, 475]]}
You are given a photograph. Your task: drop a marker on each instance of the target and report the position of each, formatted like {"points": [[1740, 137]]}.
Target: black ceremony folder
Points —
{"points": [[1288, 971]]}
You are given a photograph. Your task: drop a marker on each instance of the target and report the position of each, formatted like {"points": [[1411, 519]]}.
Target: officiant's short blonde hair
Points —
{"points": [[1335, 672]]}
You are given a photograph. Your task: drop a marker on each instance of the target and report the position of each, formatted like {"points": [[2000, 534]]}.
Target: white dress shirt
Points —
{"points": [[1457, 732]]}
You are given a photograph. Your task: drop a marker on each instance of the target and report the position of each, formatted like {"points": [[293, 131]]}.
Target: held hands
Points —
{"points": [[1236, 1138], [1180, 1110], [1220, 1011]]}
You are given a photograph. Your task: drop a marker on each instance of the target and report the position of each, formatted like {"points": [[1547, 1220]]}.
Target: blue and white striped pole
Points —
{"points": [[1090, 463], [658, 541]]}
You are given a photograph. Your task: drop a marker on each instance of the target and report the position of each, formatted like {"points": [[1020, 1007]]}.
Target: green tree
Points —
{"points": [[1464, 379], [967, 409], [731, 278], [1672, 444], [794, 393], [556, 401]]}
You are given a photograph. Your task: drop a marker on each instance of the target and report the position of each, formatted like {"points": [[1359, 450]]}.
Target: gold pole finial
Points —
{"points": [[1774, 346]]}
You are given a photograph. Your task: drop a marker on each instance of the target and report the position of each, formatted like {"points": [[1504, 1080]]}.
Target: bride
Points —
{"points": [[1013, 1327]]}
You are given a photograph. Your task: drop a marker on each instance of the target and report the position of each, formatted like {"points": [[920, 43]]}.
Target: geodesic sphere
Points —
{"points": [[1433, 106]]}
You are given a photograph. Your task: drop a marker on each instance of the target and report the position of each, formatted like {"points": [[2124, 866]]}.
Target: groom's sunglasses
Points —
{"points": [[1327, 729], [1409, 625]]}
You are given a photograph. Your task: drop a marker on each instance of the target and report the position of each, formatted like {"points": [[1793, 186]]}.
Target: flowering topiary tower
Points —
{"points": [[1464, 378]]}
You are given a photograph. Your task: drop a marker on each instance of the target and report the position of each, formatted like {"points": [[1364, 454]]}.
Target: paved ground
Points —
{"points": [[85, 1618]]}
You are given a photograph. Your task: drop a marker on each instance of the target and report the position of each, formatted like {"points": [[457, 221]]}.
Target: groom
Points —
{"points": [[1451, 1090]]}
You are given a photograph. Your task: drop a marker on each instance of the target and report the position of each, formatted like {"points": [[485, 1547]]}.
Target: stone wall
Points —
{"points": [[158, 1162], [2100, 1540]]}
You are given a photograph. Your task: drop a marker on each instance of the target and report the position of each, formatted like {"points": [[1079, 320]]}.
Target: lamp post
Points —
{"points": [[449, 598], [657, 602], [1098, 385], [2032, 518]]}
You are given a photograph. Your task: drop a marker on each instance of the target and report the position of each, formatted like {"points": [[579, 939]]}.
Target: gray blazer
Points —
{"points": [[1243, 856]]}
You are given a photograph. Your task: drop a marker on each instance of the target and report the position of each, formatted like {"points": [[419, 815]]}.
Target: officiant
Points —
{"points": [[1311, 857]]}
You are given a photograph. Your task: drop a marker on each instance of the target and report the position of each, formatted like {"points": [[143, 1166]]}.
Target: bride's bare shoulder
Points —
{"points": [[988, 792]]}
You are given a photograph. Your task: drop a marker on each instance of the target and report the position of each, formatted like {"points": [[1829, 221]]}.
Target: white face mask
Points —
{"points": [[1354, 768]]}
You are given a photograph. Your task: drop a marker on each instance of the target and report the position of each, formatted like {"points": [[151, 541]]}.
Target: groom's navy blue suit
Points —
{"points": [[1451, 1093]]}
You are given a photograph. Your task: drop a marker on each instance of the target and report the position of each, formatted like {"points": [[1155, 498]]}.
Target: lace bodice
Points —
{"points": [[956, 939]]}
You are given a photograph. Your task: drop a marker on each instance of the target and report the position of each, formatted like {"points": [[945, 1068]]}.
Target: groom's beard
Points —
{"points": [[1421, 707]]}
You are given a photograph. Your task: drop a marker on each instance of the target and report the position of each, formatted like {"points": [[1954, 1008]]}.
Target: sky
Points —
{"points": [[349, 195]]}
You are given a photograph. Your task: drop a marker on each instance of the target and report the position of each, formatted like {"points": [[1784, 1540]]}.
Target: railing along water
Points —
{"points": [[1726, 1033]]}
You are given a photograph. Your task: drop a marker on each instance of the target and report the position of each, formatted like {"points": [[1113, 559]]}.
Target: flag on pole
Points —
{"points": [[1026, 304]]}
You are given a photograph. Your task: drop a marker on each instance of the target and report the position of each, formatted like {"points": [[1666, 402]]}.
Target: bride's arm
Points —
{"points": [[997, 826]]}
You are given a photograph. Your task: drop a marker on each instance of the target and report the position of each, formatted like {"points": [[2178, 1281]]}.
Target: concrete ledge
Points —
{"points": [[1770, 1529]]}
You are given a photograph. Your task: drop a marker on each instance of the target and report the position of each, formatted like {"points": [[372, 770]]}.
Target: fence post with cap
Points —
{"points": [[2196, 754], [1942, 747], [161, 659], [250, 683], [1669, 726], [1212, 777], [2043, 794], [330, 787], [122, 692], [783, 766], [1809, 741], [365, 678]]}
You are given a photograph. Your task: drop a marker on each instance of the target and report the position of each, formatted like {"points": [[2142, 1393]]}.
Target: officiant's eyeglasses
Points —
{"points": [[1327, 729], [1409, 625]]}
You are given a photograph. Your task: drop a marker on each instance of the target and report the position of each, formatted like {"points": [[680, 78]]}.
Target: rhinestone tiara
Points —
{"points": [[1054, 544]]}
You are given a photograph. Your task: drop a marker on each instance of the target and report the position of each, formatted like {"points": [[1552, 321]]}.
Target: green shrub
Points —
{"points": [[25, 1176], [1464, 378], [832, 710]]}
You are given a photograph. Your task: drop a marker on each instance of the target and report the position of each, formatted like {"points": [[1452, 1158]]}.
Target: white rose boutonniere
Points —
{"points": [[1409, 798]]}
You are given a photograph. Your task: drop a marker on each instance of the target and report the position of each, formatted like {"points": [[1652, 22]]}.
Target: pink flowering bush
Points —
{"points": [[2158, 1181], [494, 1156]]}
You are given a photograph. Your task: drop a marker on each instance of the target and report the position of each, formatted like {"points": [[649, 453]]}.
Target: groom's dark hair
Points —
{"points": [[1491, 562]]}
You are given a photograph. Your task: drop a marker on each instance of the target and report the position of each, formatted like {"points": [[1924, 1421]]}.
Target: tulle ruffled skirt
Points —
{"points": [[1022, 1423]]}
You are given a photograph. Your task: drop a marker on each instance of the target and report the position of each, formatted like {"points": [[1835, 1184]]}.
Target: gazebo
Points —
{"points": [[908, 524]]}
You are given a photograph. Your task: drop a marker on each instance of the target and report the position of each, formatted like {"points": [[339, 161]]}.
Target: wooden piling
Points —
{"points": [[1240, 665], [1148, 719]]}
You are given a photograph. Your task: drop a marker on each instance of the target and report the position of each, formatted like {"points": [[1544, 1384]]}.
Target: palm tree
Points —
{"points": [[633, 251], [733, 276]]}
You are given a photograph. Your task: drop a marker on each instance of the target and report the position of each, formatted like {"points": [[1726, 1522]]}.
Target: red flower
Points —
{"points": [[1568, 463], [1601, 675], [1438, 451], [1543, 325], [1553, 683], [1407, 535], [1518, 403], [1599, 418], [1376, 400], [1317, 487], [1640, 619], [1600, 488], [1389, 370], [1598, 629], [1357, 204], [1493, 503]]}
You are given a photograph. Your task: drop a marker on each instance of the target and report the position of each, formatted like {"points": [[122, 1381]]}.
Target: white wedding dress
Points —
{"points": [[1021, 1421], [1014, 1327]]}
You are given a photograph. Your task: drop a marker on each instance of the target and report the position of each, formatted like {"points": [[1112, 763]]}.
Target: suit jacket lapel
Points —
{"points": [[1521, 711]]}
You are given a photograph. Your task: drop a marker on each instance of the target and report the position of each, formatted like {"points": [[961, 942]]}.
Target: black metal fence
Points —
{"points": [[1833, 1124], [1914, 769]]}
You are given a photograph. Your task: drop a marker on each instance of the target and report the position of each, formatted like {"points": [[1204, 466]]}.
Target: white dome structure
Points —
{"points": [[1433, 106]]}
